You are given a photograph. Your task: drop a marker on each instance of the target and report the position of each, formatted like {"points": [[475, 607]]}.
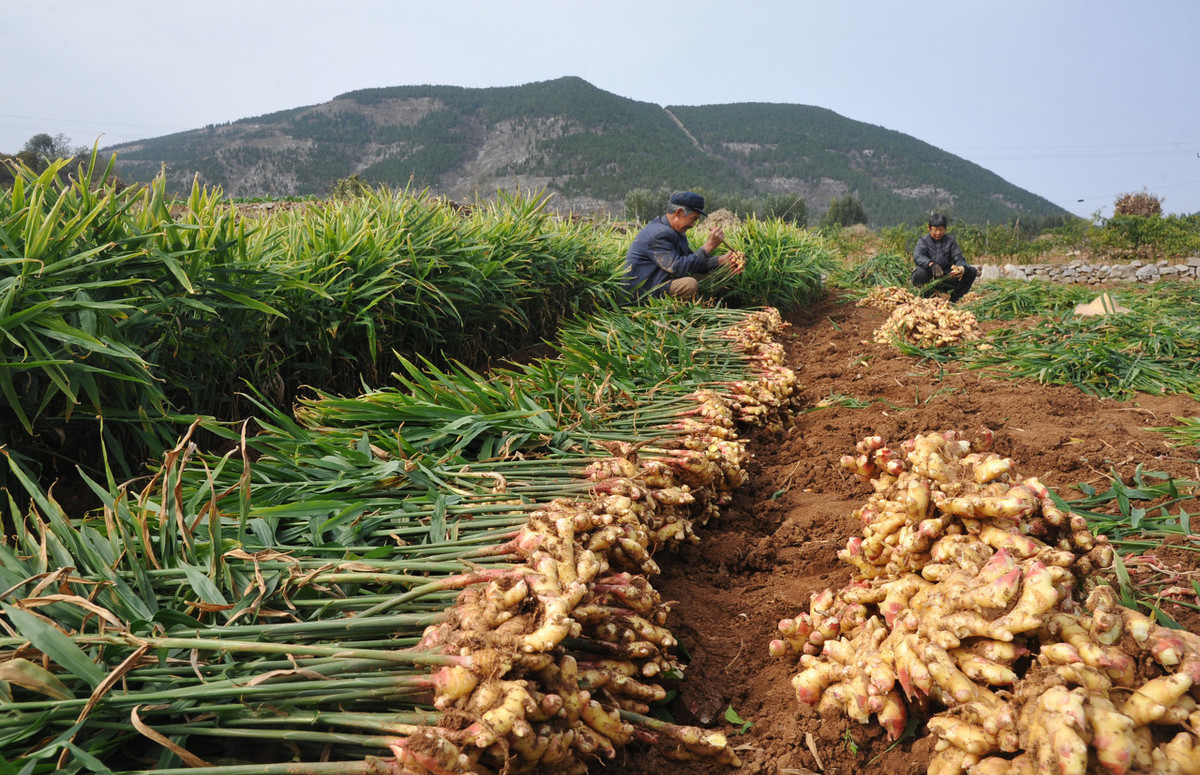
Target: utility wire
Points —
{"points": [[1113, 196], [87, 121]]}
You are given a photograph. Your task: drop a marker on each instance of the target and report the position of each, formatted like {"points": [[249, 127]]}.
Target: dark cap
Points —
{"points": [[689, 200]]}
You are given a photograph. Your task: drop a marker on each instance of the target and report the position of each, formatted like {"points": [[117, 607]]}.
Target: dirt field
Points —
{"points": [[776, 545]]}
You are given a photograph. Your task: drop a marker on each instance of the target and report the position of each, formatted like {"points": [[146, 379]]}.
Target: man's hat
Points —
{"points": [[689, 200]]}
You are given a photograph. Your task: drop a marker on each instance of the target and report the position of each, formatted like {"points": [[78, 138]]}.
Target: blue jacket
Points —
{"points": [[658, 255]]}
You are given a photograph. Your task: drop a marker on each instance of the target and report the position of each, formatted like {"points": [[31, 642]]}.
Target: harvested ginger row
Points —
{"points": [[561, 656]]}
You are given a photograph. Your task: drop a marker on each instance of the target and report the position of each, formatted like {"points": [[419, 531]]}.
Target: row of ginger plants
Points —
{"points": [[454, 575], [124, 307], [125, 310]]}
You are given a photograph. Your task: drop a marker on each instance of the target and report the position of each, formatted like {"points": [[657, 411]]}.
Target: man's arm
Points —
{"points": [[677, 264], [921, 255], [669, 254], [956, 254]]}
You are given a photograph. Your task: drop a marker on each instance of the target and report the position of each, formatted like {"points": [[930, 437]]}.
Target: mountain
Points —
{"points": [[585, 145]]}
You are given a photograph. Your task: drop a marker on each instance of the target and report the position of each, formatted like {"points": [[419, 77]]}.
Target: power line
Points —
{"points": [[77, 132], [1097, 155], [1111, 196], [1189, 143], [87, 122], [1077, 151]]}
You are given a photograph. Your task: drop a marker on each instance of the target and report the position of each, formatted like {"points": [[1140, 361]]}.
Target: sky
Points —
{"points": [[1078, 101]]}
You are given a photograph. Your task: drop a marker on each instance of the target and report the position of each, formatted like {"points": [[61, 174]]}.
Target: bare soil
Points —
{"points": [[776, 545]]}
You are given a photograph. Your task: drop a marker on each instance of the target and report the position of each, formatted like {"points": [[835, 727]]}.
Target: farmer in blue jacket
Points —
{"points": [[660, 261], [939, 258]]}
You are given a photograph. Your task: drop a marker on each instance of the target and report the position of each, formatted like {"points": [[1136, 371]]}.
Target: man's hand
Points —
{"points": [[715, 238], [735, 261], [936, 270], [956, 271]]}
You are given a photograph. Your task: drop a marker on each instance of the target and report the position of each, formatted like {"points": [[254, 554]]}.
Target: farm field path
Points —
{"points": [[777, 543]]}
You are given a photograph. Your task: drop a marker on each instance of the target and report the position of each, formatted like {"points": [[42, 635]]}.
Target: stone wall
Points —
{"points": [[1081, 272]]}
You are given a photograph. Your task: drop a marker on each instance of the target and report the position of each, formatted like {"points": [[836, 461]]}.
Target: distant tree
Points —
{"points": [[739, 205], [789, 208], [642, 204], [846, 211], [41, 149], [351, 187]]}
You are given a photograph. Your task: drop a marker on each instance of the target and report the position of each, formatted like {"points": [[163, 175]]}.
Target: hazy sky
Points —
{"points": [[1070, 99]]}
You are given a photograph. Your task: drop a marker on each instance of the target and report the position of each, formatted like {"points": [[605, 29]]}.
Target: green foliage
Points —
{"points": [[789, 208], [900, 239], [1132, 235], [733, 717], [41, 150], [785, 266], [349, 188], [72, 284], [880, 270], [125, 307], [643, 205], [846, 211], [1016, 299], [128, 309], [1153, 349], [1020, 241], [362, 517]]}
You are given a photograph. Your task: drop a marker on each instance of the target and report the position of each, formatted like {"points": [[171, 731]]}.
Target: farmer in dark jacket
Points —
{"points": [[939, 258], [660, 261]]}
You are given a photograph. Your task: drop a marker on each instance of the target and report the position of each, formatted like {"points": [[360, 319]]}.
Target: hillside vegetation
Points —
{"points": [[586, 147]]}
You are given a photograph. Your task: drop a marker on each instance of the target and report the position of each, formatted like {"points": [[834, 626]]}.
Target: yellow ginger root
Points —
{"points": [[517, 701], [606, 722], [979, 668], [1180, 756], [951, 761], [969, 737], [497, 721], [1052, 729], [1108, 659], [954, 687], [897, 595], [957, 607], [1112, 735], [1152, 700], [811, 682], [1038, 597], [911, 669], [992, 765], [962, 569]]}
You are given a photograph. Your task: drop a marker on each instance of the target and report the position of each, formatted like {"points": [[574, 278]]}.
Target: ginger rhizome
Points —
{"points": [[564, 653], [977, 603], [925, 322]]}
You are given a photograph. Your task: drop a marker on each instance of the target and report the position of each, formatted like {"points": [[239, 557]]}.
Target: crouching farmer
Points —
{"points": [[938, 258], [661, 262]]}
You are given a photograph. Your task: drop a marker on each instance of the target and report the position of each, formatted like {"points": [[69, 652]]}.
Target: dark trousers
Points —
{"points": [[958, 288]]}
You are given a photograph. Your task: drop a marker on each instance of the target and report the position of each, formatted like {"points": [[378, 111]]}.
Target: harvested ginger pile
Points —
{"points": [[977, 607], [932, 322]]}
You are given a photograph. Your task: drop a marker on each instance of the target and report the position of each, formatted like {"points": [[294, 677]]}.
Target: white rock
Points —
{"points": [[1147, 274]]}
